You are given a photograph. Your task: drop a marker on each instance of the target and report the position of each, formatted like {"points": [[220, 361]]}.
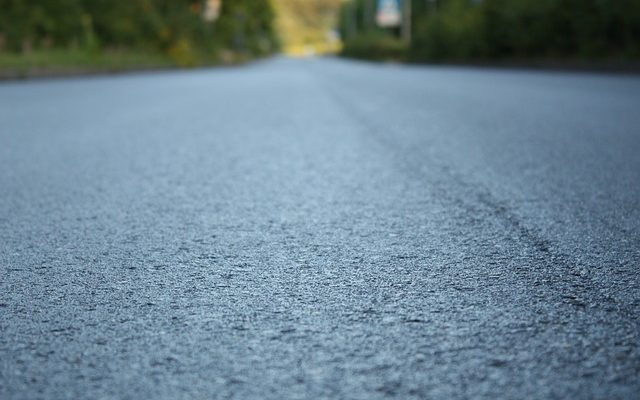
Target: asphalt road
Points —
{"points": [[320, 229]]}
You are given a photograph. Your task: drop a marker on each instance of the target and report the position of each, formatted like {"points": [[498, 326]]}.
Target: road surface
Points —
{"points": [[320, 229]]}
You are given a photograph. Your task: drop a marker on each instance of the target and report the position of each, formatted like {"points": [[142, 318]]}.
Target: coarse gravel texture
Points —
{"points": [[318, 229]]}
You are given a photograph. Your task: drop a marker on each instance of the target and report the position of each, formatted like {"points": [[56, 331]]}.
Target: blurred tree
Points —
{"points": [[247, 27], [307, 25], [521, 29], [25, 24], [175, 27]]}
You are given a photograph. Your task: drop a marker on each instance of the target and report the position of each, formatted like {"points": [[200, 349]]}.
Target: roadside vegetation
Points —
{"points": [[307, 27], [105, 35], [499, 30]]}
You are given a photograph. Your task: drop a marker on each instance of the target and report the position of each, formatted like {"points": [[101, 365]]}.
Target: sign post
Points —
{"points": [[406, 21], [389, 14], [395, 13]]}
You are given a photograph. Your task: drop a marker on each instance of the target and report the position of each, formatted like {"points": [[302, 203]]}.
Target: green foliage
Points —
{"points": [[561, 28], [247, 27], [450, 33], [468, 30], [26, 24], [55, 62], [362, 38], [357, 17], [375, 45], [172, 27]]}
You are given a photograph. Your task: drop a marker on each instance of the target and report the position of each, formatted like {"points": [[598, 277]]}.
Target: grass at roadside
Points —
{"points": [[61, 62], [43, 63], [376, 46]]}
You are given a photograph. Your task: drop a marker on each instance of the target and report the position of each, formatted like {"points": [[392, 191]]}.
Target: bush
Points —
{"points": [[172, 27], [375, 45], [479, 30], [452, 33]]}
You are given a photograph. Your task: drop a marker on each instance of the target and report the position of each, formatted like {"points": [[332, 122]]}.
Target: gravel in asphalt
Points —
{"points": [[321, 229]]}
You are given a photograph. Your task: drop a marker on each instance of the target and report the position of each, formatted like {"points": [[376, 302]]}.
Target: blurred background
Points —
{"points": [[490, 30], [49, 36]]}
